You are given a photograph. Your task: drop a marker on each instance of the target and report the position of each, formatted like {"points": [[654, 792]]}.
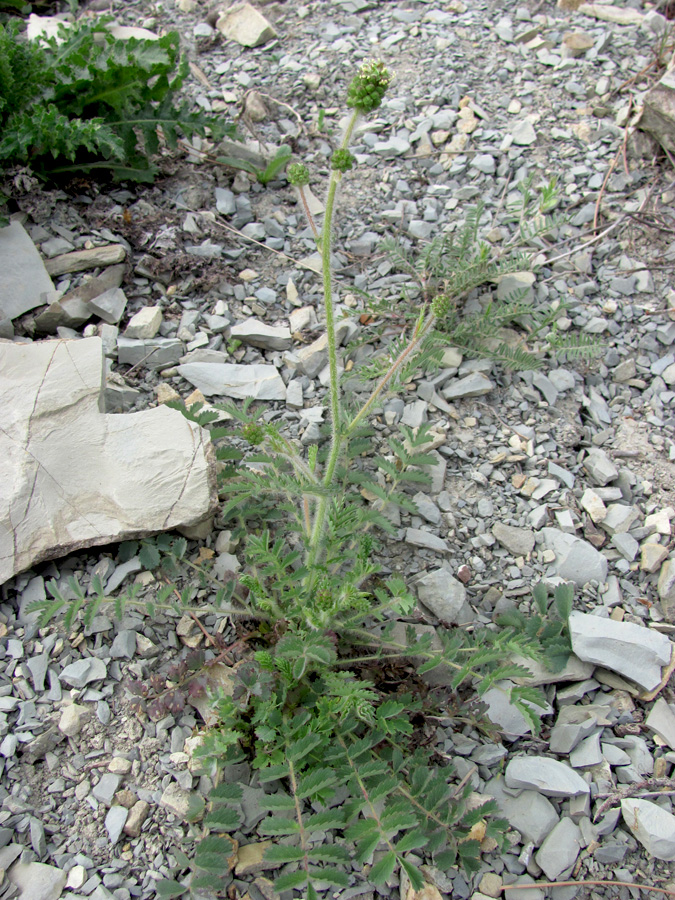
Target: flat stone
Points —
{"points": [[419, 538], [619, 518], [310, 360], [154, 353], [115, 821], [573, 724], [135, 475], [65, 313], [258, 334], [124, 645], [545, 775], [528, 812], [474, 385], [587, 753], [519, 541], [37, 666], [109, 305], [260, 382], [523, 133], [599, 466], [37, 881], [106, 788], [242, 23], [24, 277], [594, 505], [661, 720], [559, 851], [81, 260], [82, 671], [144, 325], [445, 596], [575, 559], [633, 651], [505, 714], [618, 15], [652, 826]]}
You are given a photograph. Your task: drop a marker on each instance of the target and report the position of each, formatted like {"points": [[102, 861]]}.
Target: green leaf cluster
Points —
{"points": [[548, 625], [87, 102]]}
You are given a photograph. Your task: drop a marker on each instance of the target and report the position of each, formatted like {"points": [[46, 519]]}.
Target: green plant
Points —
{"points": [[90, 102], [548, 626], [351, 779], [263, 176]]}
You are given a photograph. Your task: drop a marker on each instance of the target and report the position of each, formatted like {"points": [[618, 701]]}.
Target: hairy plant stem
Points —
{"points": [[420, 333], [334, 388]]}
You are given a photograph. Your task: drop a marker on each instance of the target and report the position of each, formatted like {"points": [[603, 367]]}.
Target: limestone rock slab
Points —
{"points": [[651, 825], [73, 477], [575, 560], [24, 277], [633, 651], [658, 111], [231, 380], [245, 25], [546, 775], [37, 881]]}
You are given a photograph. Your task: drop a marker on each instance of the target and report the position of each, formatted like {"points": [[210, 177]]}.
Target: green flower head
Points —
{"points": [[342, 161], [369, 87], [440, 306], [253, 433], [298, 174]]}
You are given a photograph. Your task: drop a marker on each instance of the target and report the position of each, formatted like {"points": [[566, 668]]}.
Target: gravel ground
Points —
{"points": [[485, 95]]}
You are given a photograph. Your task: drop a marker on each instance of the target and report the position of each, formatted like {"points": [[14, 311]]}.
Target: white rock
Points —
{"points": [[616, 14], [245, 25], [145, 324], [548, 776], [560, 849], [600, 467], [594, 505], [445, 596], [474, 385], [72, 719], [633, 651], [37, 881], [575, 560], [24, 277], [528, 812], [230, 380], [651, 825], [523, 133], [258, 334], [74, 478], [661, 719]]}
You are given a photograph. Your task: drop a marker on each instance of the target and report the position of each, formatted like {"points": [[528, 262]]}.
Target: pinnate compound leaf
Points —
{"points": [[290, 880], [299, 749], [330, 874], [273, 802], [278, 853], [383, 869], [328, 818], [417, 882], [412, 841], [278, 826], [167, 889], [316, 781], [333, 853], [223, 819]]}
